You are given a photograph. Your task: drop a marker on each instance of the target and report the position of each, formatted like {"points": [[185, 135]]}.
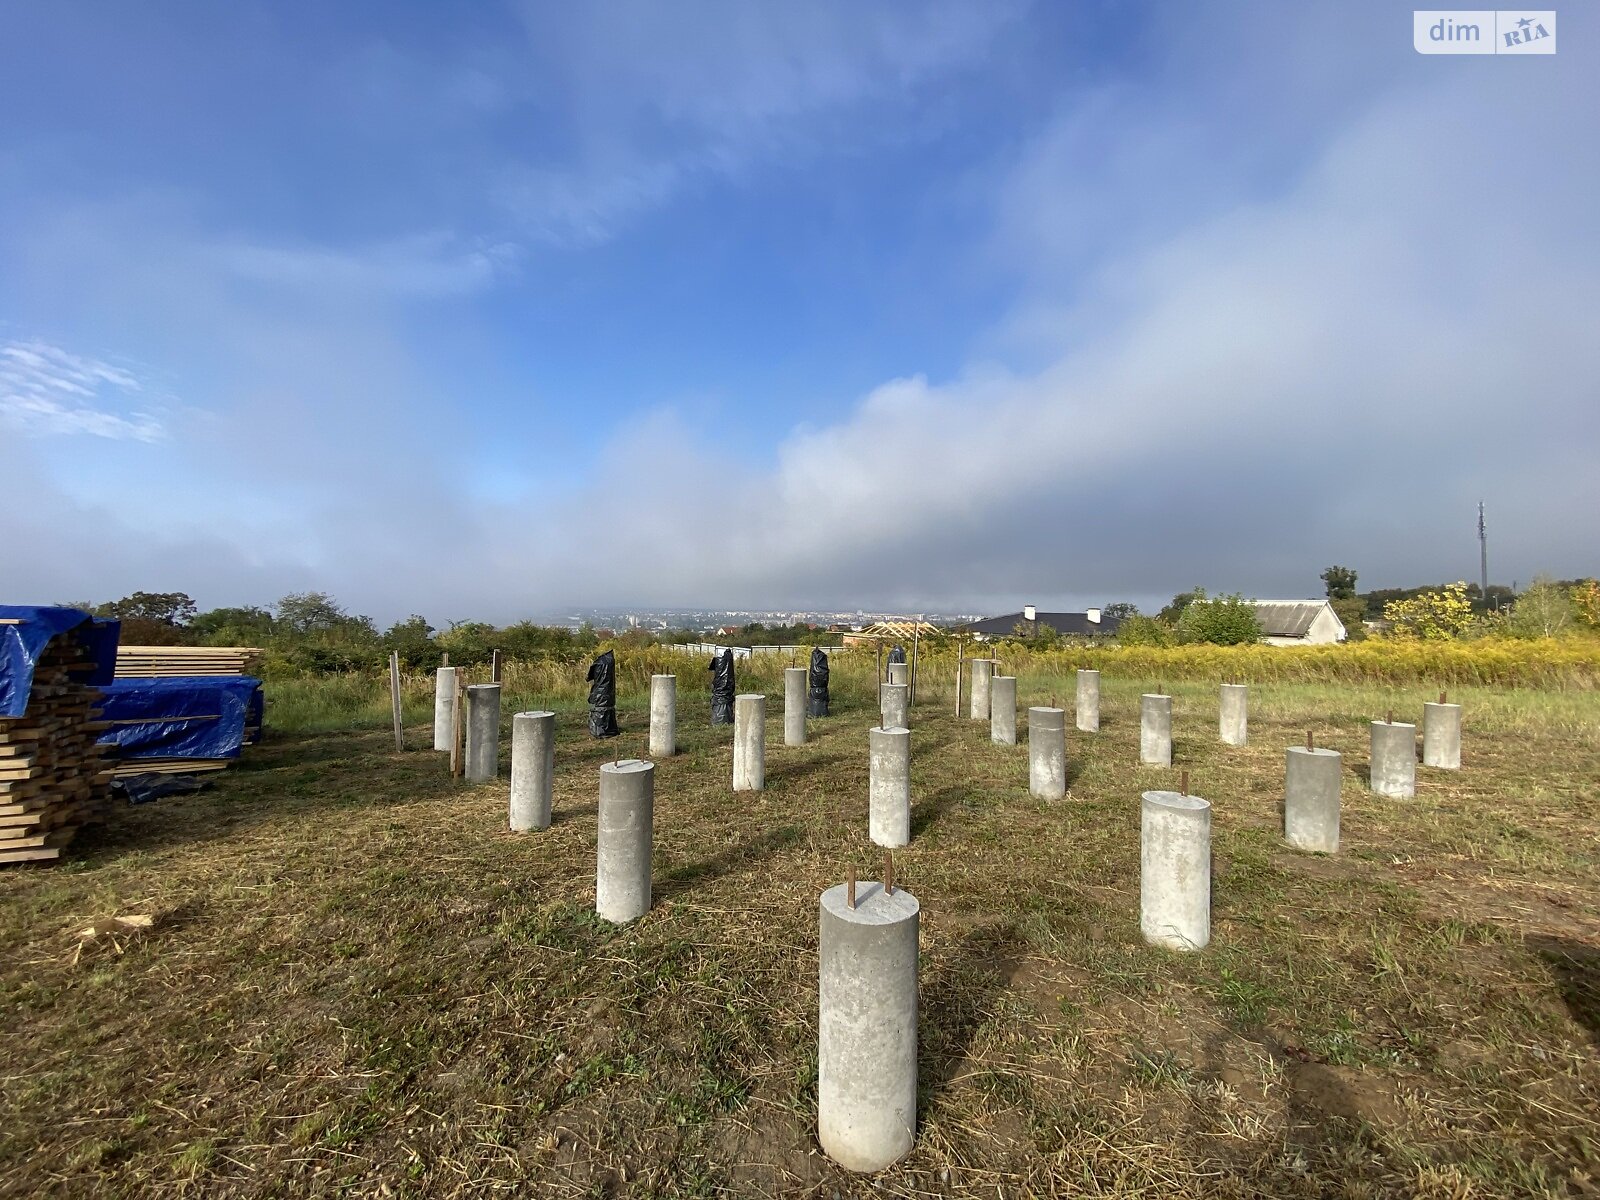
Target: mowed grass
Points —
{"points": [[359, 983]]}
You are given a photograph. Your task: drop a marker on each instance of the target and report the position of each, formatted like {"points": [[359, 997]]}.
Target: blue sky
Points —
{"points": [[488, 310]]}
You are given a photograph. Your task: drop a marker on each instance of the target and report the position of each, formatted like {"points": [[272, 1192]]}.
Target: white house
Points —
{"points": [[1298, 622]]}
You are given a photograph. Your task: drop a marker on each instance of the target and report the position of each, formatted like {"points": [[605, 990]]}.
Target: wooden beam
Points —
{"points": [[394, 699]]}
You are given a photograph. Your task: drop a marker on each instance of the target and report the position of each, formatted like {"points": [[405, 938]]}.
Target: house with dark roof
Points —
{"points": [[1298, 622], [1089, 623]]}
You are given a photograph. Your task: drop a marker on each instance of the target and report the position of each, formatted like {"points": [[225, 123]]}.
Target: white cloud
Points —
{"points": [[45, 390]]}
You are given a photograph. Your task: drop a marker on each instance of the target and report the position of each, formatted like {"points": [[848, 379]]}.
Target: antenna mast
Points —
{"points": [[1483, 556]]}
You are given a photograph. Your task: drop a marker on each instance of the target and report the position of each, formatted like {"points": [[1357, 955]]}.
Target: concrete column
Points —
{"points": [[1155, 730], [624, 839], [794, 706], [894, 705], [867, 1026], [663, 716], [899, 673], [749, 743], [889, 786], [1047, 753], [1088, 707], [981, 672], [483, 732], [1234, 711], [1175, 870], [1311, 780], [533, 763], [1441, 736], [1394, 759], [444, 708], [1003, 710]]}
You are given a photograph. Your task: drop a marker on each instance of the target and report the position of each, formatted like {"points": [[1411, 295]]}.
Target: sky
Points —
{"points": [[493, 310]]}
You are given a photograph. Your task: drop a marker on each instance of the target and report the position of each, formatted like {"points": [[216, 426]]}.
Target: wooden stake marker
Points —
{"points": [[394, 699]]}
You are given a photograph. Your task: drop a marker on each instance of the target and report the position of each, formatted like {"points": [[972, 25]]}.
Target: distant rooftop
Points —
{"points": [[1069, 624]]}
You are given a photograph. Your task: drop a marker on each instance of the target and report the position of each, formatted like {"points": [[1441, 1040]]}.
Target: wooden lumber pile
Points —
{"points": [[170, 766], [153, 662], [53, 777]]}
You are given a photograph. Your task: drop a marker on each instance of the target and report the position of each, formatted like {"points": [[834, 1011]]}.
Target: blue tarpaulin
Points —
{"points": [[187, 716], [26, 632]]}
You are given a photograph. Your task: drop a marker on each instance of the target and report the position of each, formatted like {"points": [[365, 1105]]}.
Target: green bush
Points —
{"points": [[1144, 631], [1222, 621]]}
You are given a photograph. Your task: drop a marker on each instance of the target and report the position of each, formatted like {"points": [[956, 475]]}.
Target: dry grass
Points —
{"points": [[359, 983]]}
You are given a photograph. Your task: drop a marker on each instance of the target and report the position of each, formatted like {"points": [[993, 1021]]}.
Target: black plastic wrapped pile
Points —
{"points": [[817, 685], [721, 669], [603, 697]]}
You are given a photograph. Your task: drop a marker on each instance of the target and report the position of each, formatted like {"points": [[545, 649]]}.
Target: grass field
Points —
{"points": [[359, 983]]}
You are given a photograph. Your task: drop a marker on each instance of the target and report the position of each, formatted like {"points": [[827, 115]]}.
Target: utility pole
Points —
{"points": [[1483, 557]]}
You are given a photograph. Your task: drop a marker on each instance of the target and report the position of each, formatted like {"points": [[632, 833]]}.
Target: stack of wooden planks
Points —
{"points": [[154, 662], [53, 777], [170, 766]]}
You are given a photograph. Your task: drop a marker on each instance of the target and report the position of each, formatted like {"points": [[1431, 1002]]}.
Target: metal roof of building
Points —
{"points": [[1287, 618]]}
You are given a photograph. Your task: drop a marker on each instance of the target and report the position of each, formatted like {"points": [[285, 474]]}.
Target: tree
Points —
{"points": [[1121, 610], [310, 612], [1433, 616], [1544, 610], [1340, 582], [247, 626], [1586, 602], [150, 618], [167, 608], [1172, 613], [1223, 621], [412, 639], [1351, 613]]}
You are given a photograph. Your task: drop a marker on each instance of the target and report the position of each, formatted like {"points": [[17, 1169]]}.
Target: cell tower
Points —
{"points": [[1483, 556]]}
